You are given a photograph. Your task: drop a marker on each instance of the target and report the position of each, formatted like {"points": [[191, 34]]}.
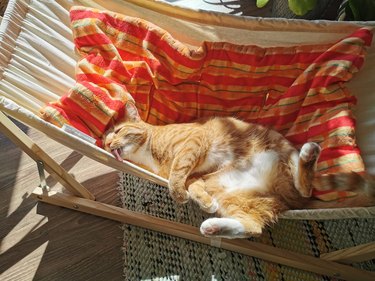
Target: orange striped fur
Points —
{"points": [[246, 173]]}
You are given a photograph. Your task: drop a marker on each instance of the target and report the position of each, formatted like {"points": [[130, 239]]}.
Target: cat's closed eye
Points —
{"points": [[117, 130]]}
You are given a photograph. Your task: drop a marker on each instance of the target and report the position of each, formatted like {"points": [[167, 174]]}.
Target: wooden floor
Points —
{"points": [[44, 242]]}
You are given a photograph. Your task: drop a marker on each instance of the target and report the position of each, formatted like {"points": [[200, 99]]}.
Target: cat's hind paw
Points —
{"points": [[223, 227], [310, 152]]}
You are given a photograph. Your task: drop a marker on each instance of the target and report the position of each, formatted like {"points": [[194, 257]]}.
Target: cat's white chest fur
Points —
{"points": [[144, 157], [256, 176]]}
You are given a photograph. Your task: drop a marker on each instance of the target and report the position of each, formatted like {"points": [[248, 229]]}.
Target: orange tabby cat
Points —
{"points": [[245, 173]]}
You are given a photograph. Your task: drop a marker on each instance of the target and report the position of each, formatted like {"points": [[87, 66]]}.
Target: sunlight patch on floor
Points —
{"points": [[33, 262], [25, 181], [30, 221]]}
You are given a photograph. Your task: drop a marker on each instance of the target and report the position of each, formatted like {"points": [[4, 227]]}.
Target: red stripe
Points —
{"points": [[73, 118], [141, 98], [97, 79], [322, 129], [97, 39], [334, 123], [268, 81], [199, 97], [323, 105], [177, 117], [82, 113], [277, 121], [316, 83], [177, 95], [336, 152], [264, 59]]}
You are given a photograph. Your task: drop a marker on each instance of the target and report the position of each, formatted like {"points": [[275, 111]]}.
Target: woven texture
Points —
{"points": [[152, 255], [298, 90]]}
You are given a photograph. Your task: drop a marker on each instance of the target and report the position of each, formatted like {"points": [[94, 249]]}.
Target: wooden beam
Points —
{"points": [[18, 137], [358, 253], [242, 246]]}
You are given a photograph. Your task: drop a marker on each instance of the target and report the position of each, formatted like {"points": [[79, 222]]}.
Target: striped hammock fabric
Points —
{"points": [[299, 91]]}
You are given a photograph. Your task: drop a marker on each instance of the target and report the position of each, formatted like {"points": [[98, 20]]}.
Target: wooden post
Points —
{"points": [[18, 137]]}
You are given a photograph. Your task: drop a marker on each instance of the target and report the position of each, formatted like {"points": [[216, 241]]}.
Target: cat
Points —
{"points": [[245, 173]]}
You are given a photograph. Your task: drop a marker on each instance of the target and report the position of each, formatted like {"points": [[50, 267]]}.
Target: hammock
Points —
{"points": [[37, 63]]}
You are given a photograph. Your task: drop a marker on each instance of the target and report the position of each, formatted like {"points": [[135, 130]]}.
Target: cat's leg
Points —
{"points": [[306, 168], [241, 217], [184, 162], [198, 193]]}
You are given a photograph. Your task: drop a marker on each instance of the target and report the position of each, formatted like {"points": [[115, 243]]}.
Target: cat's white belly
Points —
{"points": [[215, 160], [257, 176]]}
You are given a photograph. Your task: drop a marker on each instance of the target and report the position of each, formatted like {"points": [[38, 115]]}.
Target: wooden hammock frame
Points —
{"points": [[336, 264]]}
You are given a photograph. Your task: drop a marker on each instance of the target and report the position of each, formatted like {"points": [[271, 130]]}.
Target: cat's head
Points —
{"points": [[127, 135]]}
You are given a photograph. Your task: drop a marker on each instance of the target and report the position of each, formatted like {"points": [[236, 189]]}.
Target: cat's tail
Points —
{"points": [[361, 186]]}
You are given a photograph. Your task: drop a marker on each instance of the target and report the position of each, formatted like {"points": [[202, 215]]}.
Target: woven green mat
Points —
{"points": [[150, 255]]}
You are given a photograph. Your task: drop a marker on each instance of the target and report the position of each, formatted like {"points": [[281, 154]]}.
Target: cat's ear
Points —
{"points": [[132, 112]]}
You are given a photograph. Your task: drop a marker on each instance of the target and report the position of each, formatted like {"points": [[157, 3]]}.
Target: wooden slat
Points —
{"points": [[358, 253], [19, 138], [245, 247]]}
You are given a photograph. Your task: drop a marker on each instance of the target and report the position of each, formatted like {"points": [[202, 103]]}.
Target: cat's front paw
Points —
{"points": [[178, 191], [180, 196]]}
